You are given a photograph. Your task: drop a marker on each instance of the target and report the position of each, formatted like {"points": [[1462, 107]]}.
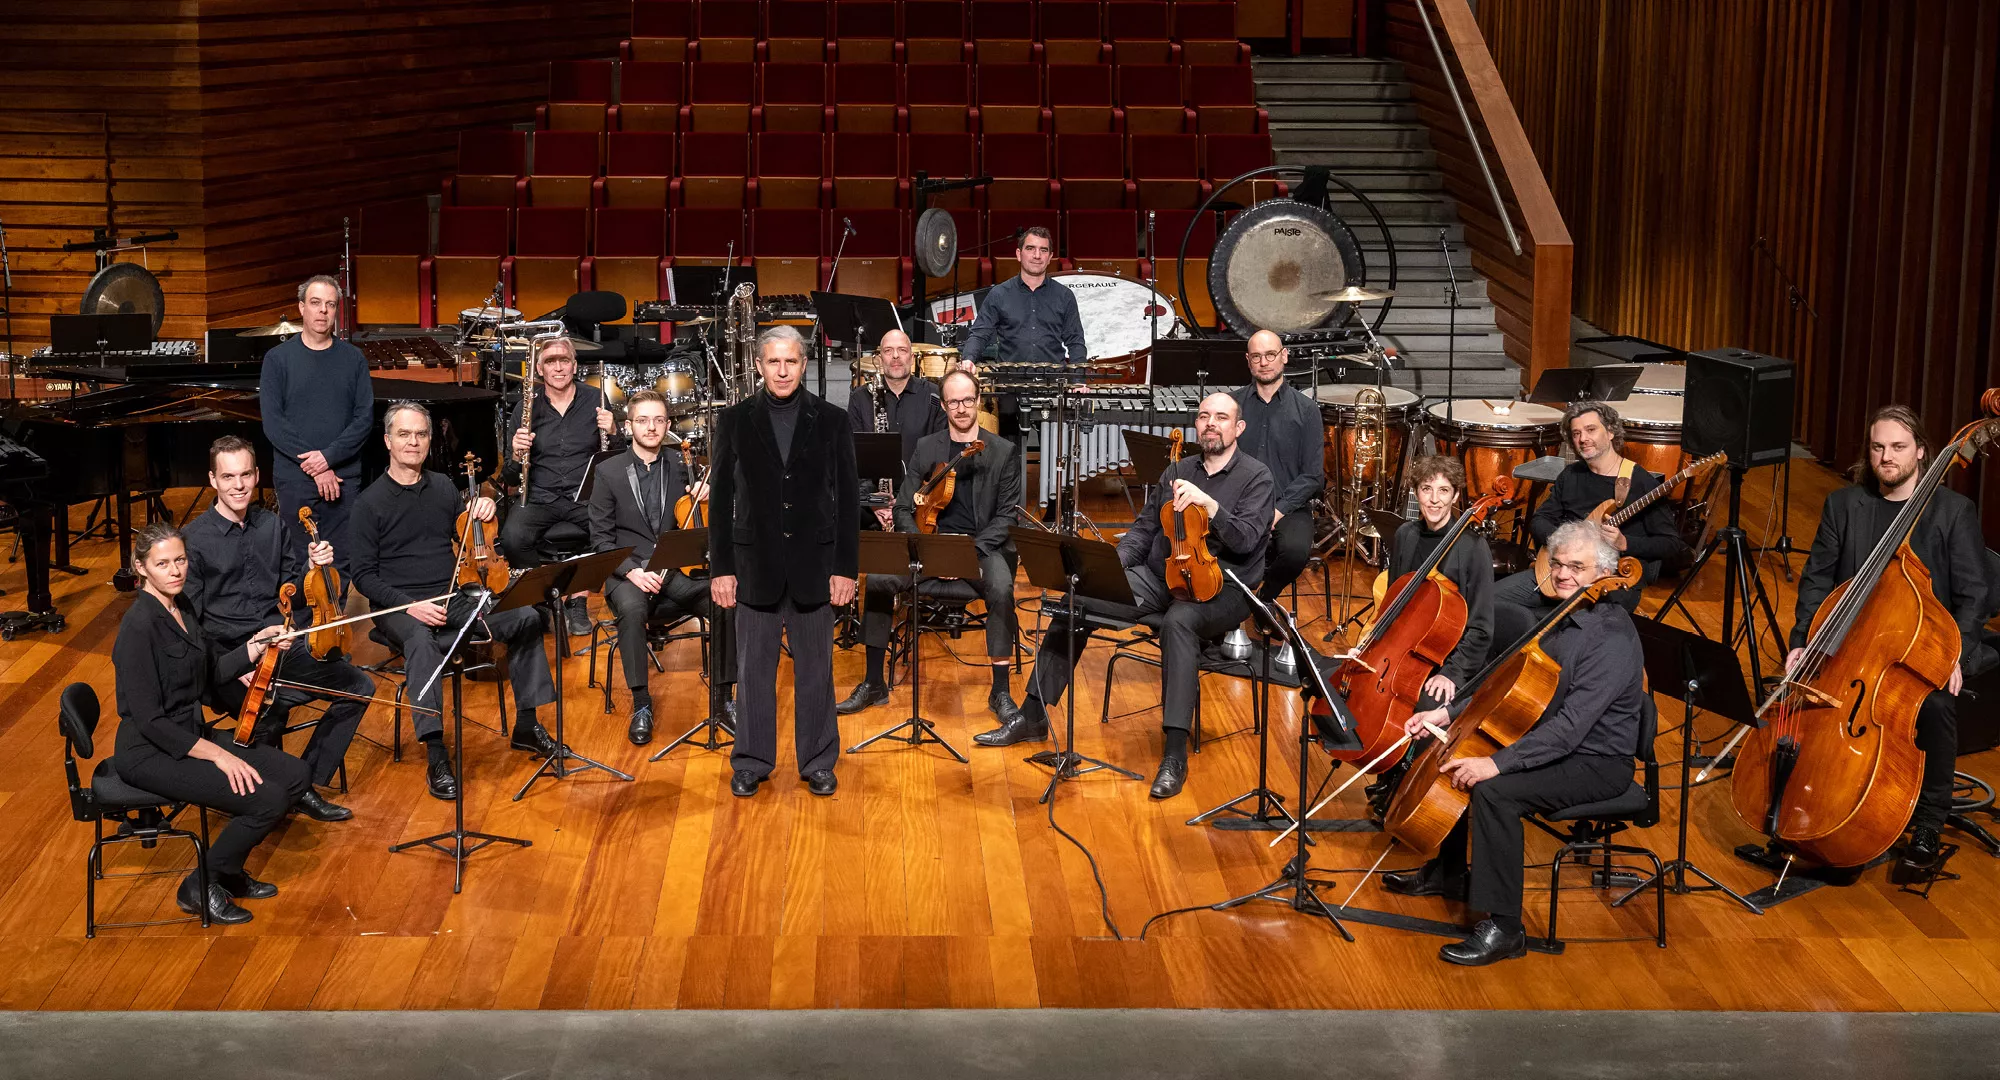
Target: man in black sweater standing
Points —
{"points": [[1947, 541], [1600, 473], [784, 541], [404, 526], [567, 427], [1282, 429], [318, 405]]}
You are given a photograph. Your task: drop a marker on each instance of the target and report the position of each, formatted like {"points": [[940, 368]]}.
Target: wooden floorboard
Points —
{"points": [[923, 883]]}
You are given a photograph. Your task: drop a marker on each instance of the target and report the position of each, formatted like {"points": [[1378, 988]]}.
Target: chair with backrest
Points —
{"points": [[1152, 99], [491, 164], [1010, 98], [661, 30], [793, 98], [791, 169], [141, 816], [934, 32], [1092, 171], [795, 31], [1003, 32], [1226, 157], [1018, 162], [727, 30], [650, 96], [579, 95], [864, 32], [629, 254], [1140, 32], [715, 170], [938, 98], [565, 168], [638, 169], [705, 236], [1104, 241], [940, 156], [1206, 33], [867, 96], [1224, 99], [550, 243], [867, 168], [1080, 100], [1170, 227], [1166, 169], [876, 261], [720, 96], [785, 249], [1072, 32], [471, 256], [1587, 832], [391, 277]]}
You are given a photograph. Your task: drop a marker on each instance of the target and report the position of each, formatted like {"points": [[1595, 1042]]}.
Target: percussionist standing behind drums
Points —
{"points": [[1033, 319], [1281, 429]]}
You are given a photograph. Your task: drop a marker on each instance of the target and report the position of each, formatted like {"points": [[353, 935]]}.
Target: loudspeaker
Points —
{"points": [[1738, 402]]}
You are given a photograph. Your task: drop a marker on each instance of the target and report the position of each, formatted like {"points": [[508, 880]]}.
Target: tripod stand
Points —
{"points": [[547, 584], [1268, 807], [950, 556], [1741, 583], [686, 549]]}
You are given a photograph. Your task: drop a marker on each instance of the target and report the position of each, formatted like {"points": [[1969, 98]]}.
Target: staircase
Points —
{"points": [[1357, 117]]}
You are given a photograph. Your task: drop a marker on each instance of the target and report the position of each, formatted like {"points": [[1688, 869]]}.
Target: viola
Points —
{"points": [[1409, 639], [937, 491], [1834, 772], [478, 562], [323, 598], [1508, 697], [259, 693], [1192, 570], [1608, 513]]}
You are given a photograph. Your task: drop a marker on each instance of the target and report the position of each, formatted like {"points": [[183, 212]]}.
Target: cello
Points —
{"points": [[323, 598], [1834, 772], [937, 491], [1508, 697], [1192, 570], [1385, 674]]}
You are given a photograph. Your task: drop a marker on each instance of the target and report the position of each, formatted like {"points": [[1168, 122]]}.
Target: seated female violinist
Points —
{"points": [[1580, 751], [166, 668]]}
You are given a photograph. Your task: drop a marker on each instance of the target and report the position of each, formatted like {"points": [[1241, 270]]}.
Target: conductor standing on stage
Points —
{"points": [[784, 549]]}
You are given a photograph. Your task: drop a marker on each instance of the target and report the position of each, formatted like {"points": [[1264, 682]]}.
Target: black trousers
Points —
{"points": [[423, 653], [1494, 822], [1289, 551], [815, 735], [996, 586], [1518, 604], [679, 595], [335, 730], [1186, 626], [331, 517], [522, 533], [1937, 737], [191, 780]]}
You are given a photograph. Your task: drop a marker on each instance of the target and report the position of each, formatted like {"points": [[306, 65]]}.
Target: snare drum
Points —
{"points": [[1342, 417], [1653, 434], [481, 322], [1491, 443], [674, 379], [1121, 319]]}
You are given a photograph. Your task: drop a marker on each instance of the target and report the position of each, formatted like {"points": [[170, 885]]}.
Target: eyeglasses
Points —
{"points": [[1255, 356], [649, 421], [1575, 569], [961, 403]]}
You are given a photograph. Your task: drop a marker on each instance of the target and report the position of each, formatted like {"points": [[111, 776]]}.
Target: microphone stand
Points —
{"points": [[831, 274], [1797, 299], [1451, 317], [7, 289]]}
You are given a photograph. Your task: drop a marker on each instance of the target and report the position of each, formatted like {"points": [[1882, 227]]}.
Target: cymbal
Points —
{"points": [[699, 320], [282, 328], [1355, 294]]}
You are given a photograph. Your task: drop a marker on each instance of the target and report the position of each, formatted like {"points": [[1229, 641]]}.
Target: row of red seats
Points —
{"points": [[543, 254], [592, 95], [1063, 31], [848, 169]]}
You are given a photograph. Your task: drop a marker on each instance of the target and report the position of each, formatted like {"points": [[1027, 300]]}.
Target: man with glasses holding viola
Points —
{"points": [[1282, 430]]}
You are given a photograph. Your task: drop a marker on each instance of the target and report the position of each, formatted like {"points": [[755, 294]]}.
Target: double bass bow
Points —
{"points": [[323, 599], [1193, 573], [937, 491]]}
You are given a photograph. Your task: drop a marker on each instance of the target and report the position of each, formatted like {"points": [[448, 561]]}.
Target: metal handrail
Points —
{"points": [[1478, 151]]}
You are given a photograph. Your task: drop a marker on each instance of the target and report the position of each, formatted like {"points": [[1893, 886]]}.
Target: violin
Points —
{"points": [[1508, 697], [1192, 570], [259, 693], [478, 561], [1409, 640], [323, 597], [937, 491], [1834, 772], [1608, 513]]}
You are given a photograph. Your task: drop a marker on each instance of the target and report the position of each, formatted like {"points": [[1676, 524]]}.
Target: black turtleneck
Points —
{"points": [[1469, 565], [784, 420]]}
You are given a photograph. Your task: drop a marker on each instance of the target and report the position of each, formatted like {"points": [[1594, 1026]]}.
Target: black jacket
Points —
{"points": [[783, 527], [616, 517], [994, 491], [1598, 698], [1650, 538], [1947, 540], [1469, 565], [165, 675]]}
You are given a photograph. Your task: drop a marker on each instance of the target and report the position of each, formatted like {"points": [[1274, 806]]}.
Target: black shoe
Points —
{"points": [[1172, 774], [1487, 944], [1920, 857], [245, 887], [314, 806], [866, 695], [444, 785], [1426, 880], [1001, 704], [1022, 728], [822, 782], [640, 730], [532, 738], [744, 783], [577, 613], [729, 713], [220, 907]]}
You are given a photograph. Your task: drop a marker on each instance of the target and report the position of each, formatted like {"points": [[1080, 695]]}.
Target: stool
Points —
{"points": [[393, 670]]}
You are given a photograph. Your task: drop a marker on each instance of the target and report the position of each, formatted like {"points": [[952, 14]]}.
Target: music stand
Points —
{"points": [[878, 456], [677, 548], [859, 321], [79, 335], [1150, 455], [458, 833], [1709, 678], [946, 555], [1073, 565], [1269, 806], [548, 584], [1564, 385]]}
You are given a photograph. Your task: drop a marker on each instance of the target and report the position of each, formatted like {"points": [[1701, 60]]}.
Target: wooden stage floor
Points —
{"points": [[923, 883]]}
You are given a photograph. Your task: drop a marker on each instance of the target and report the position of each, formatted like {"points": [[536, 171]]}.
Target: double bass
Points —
{"points": [[937, 490], [1193, 572], [1508, 697], [1834, 772], [1410, 639]]}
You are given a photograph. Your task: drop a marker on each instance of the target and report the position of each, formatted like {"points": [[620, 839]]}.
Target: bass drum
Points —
{"points": [[1121, 320]]}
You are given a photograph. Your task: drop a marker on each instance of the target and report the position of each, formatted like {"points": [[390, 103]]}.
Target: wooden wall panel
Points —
{"points": [[1699, 146]]}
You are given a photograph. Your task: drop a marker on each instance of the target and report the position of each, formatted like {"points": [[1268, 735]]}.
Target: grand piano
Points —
{"points": [[151, 430]]}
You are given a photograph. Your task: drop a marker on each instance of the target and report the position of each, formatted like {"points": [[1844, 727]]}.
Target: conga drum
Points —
{"points": [[1491, 438]]}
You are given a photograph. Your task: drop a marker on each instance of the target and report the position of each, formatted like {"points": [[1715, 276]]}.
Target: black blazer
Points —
{"points": [[783, 527], [995, 488], [616, 517], [165, 675]]}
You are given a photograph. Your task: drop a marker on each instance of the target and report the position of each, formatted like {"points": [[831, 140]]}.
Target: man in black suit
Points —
{"points": [[631, 504], [785, 519], [982, 506]]}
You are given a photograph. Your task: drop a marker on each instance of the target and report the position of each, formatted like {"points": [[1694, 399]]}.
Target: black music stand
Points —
{"points": [[674, 549], [1709, 678], [878, 456], [1072, 565], [859, 321], [1269, 806], [458, 833], [1564, 385], [547, 584], [946, 555]]}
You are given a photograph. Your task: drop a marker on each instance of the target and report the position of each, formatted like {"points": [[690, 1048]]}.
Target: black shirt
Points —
{"points": [[652, 489], [784, 421], [234, 571], [1596, 706], [1286, 435], [1650, 537], [402, 538], [564, 444], [1033, 326], [1468, 565], [1946, 539], [959, 515], [913, 414], [315, 400], [164, 675], [1236, 535]]}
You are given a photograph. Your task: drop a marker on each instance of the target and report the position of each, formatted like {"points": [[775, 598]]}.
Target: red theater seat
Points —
{"points": [[579, 95], [1167, 170], [1207, 34], [794, 98], [791, 169], [715, 170], [796, 31], [720, 96], [549, 246], [866, 168], [1092, 171], [1140, 32], [1153, 99], [1170, 227], [866, 96], [876, 260], [565, 168], [391, 278], [1106, 241], [491, 162], [943, 156], [638, 167], [703, 236], [1019, 166], [650, 96], [939, 98], [1225, 100], [1073, 33], [864, 31], [1003, 229], [1010, 98], [1080, 100], [1003, 32], [1226, 157], [661, 30], [728, 30], [471, 256], [628, 254], [934, 32], [785, 245]]}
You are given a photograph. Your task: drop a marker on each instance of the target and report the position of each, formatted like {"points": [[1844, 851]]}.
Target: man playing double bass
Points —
{"points": [[1947, 541], [1579, 751]]}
